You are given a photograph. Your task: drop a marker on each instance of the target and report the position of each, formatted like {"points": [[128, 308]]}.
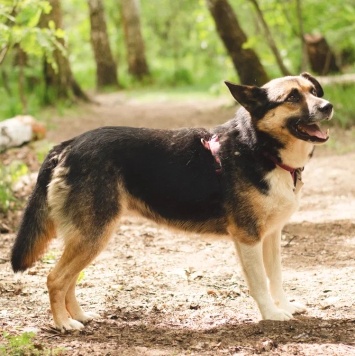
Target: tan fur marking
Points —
{"points": [[41, 244], [273, 210], [77, 254], [240, 235]]}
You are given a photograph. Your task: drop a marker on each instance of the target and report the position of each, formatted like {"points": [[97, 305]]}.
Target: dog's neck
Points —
{"points": [[291, 170], [296, 154]]}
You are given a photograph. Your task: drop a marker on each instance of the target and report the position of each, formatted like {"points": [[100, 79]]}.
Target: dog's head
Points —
{"points": [[287, 108]]}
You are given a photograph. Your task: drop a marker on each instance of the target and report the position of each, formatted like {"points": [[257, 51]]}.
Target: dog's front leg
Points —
{"points": [[251, 257], [272, 263]]}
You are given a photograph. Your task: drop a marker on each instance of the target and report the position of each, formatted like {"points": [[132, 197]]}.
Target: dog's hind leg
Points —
{"points": [[251, 257], [272, 263], [73, 307], [79, 251]]}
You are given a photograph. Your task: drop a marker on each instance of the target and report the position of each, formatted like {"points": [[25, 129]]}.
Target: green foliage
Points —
{"points": [[10, 104], [20, 32], [342, 96], [183, 47], [50, 257], [81, 277], [333, 20], [24, 345], [20, 26], [19, 345], [337, 21], [8, 176], [183, 43], [42, 148]]}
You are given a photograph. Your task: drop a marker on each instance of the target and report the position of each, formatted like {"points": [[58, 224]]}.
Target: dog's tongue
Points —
{"points": [[314, 130]]}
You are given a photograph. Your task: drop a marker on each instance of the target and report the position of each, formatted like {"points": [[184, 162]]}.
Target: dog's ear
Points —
{"points": [[315, 82], [252, 98]]}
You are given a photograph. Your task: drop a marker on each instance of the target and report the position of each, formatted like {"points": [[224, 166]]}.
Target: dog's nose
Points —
{"points": [[326, 109]]}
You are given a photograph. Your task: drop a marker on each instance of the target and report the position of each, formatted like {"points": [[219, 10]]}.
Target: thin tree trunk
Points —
{"points": [[137, 63], [21, 62], [304, 58], [245, 60], [5, 82], [106, 69], [59, 81], [270, 39]]}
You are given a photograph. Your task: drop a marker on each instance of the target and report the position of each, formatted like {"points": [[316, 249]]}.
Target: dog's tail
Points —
{"points": [[37, 228]]}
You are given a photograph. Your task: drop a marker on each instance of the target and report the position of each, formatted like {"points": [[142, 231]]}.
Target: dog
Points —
{"points": [[240, 179]]}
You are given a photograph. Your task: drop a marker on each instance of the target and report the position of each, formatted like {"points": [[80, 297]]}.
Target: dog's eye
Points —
{"points": [[314, 92], [294, 96]]}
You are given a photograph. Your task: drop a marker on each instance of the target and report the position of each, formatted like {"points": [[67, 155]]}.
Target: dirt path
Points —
{"points": [[164, 293]]}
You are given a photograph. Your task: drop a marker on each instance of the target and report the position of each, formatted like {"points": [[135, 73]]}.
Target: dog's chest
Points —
{"points": [[282, 199]]}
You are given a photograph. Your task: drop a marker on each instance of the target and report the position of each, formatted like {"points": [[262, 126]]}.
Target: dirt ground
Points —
{"points": [[161, 292]]}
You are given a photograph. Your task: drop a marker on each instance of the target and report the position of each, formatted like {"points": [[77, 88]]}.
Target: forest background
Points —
{"points": [[62, 49]]}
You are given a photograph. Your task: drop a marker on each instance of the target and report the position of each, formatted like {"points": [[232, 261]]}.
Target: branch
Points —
{"points": [[270, 39], [3, 53]]}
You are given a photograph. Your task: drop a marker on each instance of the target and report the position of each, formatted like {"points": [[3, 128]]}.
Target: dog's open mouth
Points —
{"points": [[308, 132]]}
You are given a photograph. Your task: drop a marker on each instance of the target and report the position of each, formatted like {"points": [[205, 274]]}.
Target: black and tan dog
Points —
{"points": [[240, 179]]}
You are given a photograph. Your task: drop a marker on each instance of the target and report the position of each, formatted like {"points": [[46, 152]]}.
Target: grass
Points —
{"points": [[24, 345], [18, 345], [42, 148], [8, 176]]}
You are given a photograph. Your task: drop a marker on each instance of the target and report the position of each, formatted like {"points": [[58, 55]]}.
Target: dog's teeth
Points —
{"points": [[327, 132], [300, 128]]}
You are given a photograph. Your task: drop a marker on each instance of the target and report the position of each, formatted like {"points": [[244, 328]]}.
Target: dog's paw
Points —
{"points": [[69, 325], [293, 307], [277, 314], [87, 316]]}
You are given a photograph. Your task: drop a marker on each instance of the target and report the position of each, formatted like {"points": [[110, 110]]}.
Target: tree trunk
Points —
{"points": [[137, 64], [270, 39], [321, 57], [304, 58], [21, 59], [245, 60], [106, 69], [59, 81]]}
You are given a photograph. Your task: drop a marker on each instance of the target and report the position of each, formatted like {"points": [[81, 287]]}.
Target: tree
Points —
{"points": [[137, 64], [245, 60], [321, 56], [270, 39], [59, 79], [20, 29], [106, 69], [304, 59], [20, 33]]}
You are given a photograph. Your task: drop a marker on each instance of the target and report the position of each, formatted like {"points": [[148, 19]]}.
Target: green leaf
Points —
{"points": [[34, 20]]}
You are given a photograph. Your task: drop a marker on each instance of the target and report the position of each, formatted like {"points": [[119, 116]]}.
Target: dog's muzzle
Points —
{"points": [[309, 129]]}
